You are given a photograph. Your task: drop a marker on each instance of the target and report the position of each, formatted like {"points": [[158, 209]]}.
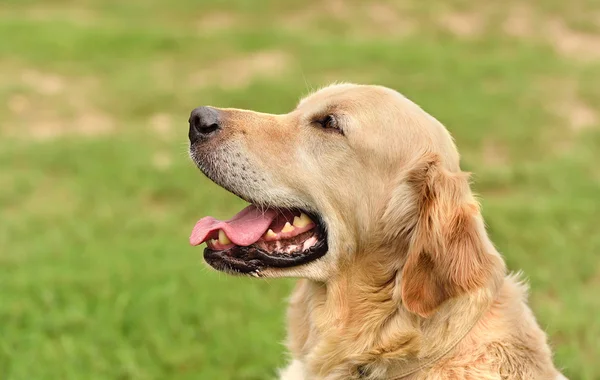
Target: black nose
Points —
{"points": [[203, 122]]}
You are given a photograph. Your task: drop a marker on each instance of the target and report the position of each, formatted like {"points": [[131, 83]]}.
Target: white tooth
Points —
{"points": [[213, 242], [287, 228], [270, 234], [302, 221], [223, 239], [254, 274]]}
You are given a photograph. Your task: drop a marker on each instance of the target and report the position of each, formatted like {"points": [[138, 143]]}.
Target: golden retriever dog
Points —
{"points": [[358, 192]]}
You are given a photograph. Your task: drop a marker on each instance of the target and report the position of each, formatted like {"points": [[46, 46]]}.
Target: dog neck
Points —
{"points": [[453, 321], [357, 324]]}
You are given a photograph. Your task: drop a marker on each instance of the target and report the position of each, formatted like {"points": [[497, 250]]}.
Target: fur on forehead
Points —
{"points": [[390, 105], [322, 89]]}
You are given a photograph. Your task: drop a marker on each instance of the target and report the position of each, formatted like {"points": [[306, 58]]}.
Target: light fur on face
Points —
{"points": [[411, 287]]}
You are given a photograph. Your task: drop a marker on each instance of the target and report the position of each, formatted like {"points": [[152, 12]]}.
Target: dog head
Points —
{"points": [[352, 170]]}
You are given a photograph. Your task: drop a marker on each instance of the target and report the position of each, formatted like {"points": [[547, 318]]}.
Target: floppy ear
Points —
{"points": [[449, 252]]}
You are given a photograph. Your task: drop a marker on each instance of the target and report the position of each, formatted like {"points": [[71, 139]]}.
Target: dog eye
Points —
{"points": [[330, 123]]}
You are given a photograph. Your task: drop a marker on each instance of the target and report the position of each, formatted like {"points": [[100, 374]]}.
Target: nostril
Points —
{"points": [[209, 128], [194, 121]]}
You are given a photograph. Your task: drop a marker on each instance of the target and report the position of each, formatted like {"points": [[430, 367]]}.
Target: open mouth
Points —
{"points": [[255, 239]]}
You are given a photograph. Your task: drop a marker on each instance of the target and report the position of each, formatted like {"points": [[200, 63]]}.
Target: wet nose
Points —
{"points": [[204, 122]]}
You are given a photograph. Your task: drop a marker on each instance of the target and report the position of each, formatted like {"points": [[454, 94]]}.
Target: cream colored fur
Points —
{"points": [[410, 269]]}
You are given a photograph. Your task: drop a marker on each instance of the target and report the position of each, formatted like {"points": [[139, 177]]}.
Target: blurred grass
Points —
{"points": [[97, 195]]}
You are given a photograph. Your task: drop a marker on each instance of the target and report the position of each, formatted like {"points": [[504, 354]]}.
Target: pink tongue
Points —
{"points": [[244, 229]]}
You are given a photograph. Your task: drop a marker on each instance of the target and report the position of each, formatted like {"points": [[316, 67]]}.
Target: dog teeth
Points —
{"points": [[287, 228], [309, 243], [270, 234], [213, 242], [254, 274], [302, 221], [223, 239]]}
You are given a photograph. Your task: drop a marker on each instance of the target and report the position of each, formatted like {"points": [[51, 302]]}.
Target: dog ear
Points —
{"points": [[449, 252]]}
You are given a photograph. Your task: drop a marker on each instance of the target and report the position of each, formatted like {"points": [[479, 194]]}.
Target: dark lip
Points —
{"points": [[245, 260]]}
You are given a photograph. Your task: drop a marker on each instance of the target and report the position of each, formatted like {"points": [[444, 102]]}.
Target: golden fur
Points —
{"points": [[411, 287]]}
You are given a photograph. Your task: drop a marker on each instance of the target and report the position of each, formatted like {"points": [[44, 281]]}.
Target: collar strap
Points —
{"points": [[422, 363], [416, 366]]}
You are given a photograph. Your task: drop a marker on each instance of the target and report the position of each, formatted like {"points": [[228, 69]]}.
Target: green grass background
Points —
{"points": [[98, 196]]}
